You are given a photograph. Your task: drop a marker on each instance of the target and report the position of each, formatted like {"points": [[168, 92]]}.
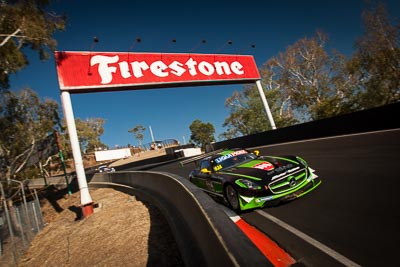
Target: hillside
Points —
{"points": [[123, 231]]}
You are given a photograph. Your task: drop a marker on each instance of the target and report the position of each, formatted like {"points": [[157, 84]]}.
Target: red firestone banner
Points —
{"points": [[108, 71]]}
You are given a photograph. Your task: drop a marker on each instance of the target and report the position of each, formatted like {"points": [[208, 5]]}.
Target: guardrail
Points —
{"points": [[206, 236]]}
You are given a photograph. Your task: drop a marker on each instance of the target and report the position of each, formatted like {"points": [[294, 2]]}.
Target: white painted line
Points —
{"points": [[340, 258], [329, 137], [231, 214]]}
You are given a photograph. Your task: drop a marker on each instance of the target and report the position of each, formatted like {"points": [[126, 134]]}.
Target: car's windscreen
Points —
{"points": [[232, 159]]}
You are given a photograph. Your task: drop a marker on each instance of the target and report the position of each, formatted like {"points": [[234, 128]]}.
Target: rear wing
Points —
{"points": [[196, 158]]}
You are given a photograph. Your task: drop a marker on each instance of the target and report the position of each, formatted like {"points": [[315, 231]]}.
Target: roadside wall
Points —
{"points": [[381, 118], [205, 235]]}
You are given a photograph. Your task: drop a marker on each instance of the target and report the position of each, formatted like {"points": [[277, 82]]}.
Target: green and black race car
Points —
{"points": [[245, 180]]}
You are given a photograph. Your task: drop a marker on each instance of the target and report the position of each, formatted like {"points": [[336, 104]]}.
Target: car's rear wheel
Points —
{"points": [[232, 197]]}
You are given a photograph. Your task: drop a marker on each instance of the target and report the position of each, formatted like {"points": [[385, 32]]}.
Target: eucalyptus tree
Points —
{"points": [[25, 24], [376, 62], [247, 112], [302, 83], [137, 131], [202, 133], [313, 82], [25, 121], [89, 132]]}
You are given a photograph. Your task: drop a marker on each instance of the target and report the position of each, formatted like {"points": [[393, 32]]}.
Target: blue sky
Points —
{"points": [[270, 25]]}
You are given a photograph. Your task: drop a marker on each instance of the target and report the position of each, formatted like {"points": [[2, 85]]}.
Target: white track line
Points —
{"points": [[329, 137], [342, 259]]}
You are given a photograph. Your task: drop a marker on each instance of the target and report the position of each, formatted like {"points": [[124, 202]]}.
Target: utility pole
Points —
{"points": [[151, 133]]}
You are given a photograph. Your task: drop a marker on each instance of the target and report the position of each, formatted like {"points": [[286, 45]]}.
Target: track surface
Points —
{"points": [[353, 217]]}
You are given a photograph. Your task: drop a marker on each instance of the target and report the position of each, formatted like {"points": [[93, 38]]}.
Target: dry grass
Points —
{"points": [[123, 231]]}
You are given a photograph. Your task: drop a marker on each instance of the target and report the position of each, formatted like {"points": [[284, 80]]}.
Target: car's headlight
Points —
{"points": [[247, 184]]}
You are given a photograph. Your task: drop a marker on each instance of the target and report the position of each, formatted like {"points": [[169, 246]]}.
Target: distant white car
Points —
{"points": [[105, 168]]}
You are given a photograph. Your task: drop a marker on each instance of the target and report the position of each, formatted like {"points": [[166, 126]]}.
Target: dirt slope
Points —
{"points": [[123, 231]]}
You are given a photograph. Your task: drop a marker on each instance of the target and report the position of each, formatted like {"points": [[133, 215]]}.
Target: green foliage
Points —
{"points": [[24, 120], [305, 82], [25, 24], [89, 132], [312, 81], [248, 115], [376, 62], [201, 133]]}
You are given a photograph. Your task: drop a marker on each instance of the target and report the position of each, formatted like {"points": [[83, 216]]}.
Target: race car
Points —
{"points": [[104, 168], [244, 180]]}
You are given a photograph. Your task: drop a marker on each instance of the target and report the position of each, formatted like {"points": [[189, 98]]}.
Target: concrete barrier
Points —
{"points": [[206, 236], [374, 119]]}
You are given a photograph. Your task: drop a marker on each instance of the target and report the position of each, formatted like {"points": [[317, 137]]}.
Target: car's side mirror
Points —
{"points": [[256, 152], [205, 171]]}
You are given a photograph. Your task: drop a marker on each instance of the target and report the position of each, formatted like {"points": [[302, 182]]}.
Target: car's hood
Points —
{"points": [[265, 168]]}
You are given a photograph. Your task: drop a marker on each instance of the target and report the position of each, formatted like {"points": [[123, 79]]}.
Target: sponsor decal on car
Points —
{"points": [[264, 166], [261, 199], [217, 167], [231, 155]]}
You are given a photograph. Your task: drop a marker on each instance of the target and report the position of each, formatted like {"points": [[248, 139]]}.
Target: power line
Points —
{"points": [[229, 42]]}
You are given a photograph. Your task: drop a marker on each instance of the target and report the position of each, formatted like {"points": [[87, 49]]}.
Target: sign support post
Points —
{"points": [[266, 106], [86, 200]]}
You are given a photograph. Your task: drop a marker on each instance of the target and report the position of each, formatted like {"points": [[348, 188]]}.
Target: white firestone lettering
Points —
{"points": [[206, 68], [191, 65], [160, 69], [222, 67], [176, 68], [104, 70], [137, 68], [124, 69], [237, 68]]}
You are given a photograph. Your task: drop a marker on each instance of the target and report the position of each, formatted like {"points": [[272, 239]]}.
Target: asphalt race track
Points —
{"points": [[353, 217]]}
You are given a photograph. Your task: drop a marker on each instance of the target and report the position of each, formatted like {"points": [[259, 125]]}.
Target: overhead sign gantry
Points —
{"points": [[84, 72]]}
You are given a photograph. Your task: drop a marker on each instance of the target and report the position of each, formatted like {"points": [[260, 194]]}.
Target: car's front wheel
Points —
{"points": [[232, 197]]}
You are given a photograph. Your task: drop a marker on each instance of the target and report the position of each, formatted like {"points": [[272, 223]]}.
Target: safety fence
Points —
{"points": [[20, 220]]}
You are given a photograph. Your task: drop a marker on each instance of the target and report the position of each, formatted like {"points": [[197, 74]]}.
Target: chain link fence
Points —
{"points": [[20, 220]]}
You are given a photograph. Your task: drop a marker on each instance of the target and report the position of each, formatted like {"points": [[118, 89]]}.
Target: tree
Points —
{"points": [[201, 133], [302, 83], [25, 24], [89, 132], [376, 62], [24, 122], [313, 82], [247, 112], [138, 133]]}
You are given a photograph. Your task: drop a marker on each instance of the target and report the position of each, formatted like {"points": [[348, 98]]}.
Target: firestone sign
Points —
{"points": [[106, 71], [81, 72]]}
